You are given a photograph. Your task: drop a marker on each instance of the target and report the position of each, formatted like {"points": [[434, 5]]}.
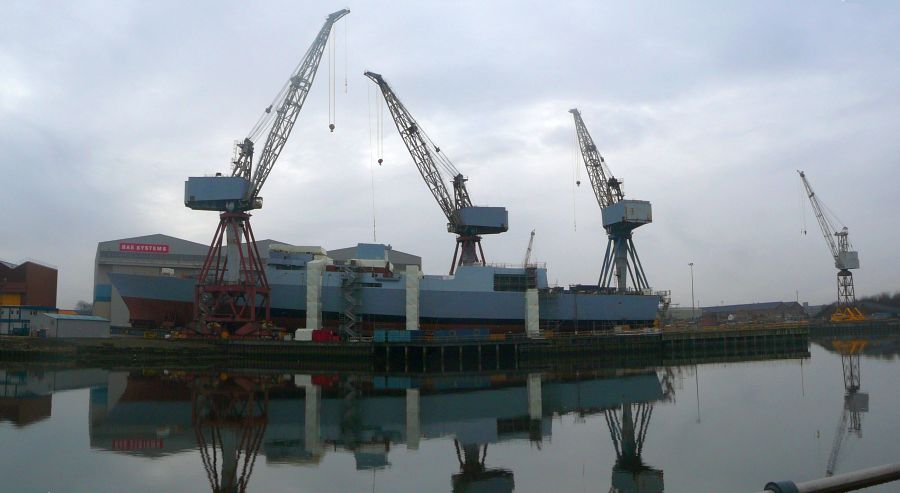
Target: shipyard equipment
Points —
{"points": [[474, 475], [845, 258], [528, 250], [620, 218], [229, 416], [232, 292], [466, 221], [855, 402], [628, 425]]}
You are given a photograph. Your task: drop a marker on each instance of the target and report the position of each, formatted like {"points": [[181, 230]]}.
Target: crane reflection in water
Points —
{"points": [[232, 419]]}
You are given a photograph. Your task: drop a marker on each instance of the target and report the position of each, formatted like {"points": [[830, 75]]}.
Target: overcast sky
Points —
{"points": [[706, 109]]}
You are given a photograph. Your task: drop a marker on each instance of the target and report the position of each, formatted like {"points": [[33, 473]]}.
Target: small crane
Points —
{"points": [[466, 221], [232, 287], [620, 218], [528, 250], [845, 258]]}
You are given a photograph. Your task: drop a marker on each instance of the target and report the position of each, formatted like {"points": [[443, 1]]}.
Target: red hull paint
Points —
{"points": [[159, 313]]}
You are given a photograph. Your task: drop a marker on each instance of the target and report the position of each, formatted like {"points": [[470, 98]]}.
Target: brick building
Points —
{"points": [[28, 283]]}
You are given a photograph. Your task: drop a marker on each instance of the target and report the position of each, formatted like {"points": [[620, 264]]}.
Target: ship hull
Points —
{"points": [[167, 301]]}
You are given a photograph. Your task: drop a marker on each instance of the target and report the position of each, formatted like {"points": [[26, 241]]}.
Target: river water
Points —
{"points": [[713, 427]]}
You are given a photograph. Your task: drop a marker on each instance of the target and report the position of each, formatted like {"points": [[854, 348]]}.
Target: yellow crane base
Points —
{"points": [[847, 314]]}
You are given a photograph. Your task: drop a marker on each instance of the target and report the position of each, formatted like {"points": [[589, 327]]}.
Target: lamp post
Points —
{"points": [[693, 305]]}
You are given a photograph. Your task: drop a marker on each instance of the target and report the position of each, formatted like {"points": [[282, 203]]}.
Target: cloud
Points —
{"points": [[704, 109]]}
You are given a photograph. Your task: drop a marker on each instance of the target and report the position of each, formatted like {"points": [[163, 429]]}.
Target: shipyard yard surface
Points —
{"points": [[706, 427]]}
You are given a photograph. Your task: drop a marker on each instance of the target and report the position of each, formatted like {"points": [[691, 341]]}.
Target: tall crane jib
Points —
{"points": [[845, 258], [465, 220], [232, 292], [620, 218]]}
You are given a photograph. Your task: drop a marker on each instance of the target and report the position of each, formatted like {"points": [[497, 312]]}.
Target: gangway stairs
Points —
{"points": [[350, 296]]}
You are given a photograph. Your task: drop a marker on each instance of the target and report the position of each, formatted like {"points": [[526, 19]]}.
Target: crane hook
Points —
{"points": [[578, 183], [331, 127], [380, 161]]}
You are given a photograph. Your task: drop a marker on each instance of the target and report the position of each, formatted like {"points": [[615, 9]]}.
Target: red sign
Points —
{"points": [[143, 248], [137, 443]]}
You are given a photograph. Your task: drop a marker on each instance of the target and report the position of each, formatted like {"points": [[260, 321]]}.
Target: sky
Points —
{"points": [[706, 109]]}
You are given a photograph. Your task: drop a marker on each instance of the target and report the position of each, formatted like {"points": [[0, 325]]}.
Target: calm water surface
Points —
{"points": [[715, 427]]}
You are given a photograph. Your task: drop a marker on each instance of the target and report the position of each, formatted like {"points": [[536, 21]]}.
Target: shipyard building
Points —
{"points": [[27, 291], [163, 255], [27, 284]]}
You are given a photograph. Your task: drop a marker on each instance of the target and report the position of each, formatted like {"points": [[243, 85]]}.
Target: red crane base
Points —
{"points": [[237, 305]]}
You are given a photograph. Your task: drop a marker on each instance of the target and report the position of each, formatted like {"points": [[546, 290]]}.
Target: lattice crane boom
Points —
{"points": [[528, 250], [424, 154], [463, 219], [287, 106], [607, 188], [828, 229]]}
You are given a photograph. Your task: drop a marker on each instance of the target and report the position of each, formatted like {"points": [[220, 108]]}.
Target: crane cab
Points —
{"points": [[478, 220], [633, 212], [847, 260], [218, 193]]}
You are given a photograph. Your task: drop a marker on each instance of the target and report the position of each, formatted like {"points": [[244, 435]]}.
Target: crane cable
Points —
{"points": [[380, 103], [802, 206], [331, 82], [346, 49], [372, 160], [576, 182]]}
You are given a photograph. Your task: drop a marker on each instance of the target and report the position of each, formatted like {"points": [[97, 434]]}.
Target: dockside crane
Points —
{"points": [[620, 218], [466, 221], [855, 402], [845, 258], [232, 292]]}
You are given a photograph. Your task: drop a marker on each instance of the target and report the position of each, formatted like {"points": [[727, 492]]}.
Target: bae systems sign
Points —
{"points": [[143, 248]]}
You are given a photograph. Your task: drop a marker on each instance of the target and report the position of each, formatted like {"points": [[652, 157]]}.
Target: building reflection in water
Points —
{"points": [[232, 419], [26, 395], [296, 419], [235, 420]]}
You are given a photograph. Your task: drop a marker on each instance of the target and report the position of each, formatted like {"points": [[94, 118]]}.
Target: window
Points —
{"points": [[514, 282]]}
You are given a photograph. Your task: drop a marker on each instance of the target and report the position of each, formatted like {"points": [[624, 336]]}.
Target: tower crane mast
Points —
{"points": [[232, 292], [620, 218], [468, 222], [845, 258]]}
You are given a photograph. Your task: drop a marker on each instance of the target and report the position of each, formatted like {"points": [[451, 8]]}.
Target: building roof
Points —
{"points": [[176, 246], [4, 265], [394, 256], [63, 316], [750, 307]]}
